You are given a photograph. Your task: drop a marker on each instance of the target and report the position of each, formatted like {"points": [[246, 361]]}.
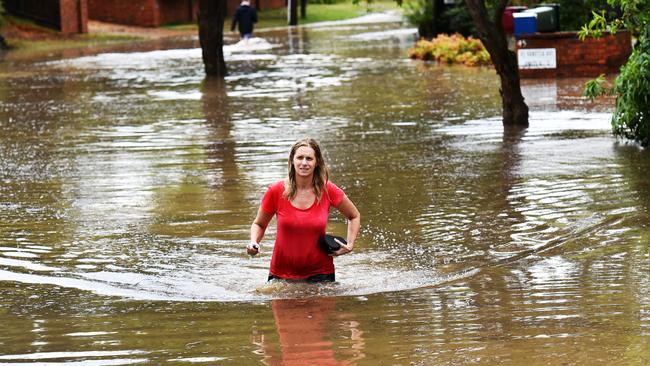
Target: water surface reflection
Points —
{"points": [[129, 181], [304, 334]]}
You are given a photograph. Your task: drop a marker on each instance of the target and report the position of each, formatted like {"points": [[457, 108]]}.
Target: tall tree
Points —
{"points": [[211, 18], [491, 33]]}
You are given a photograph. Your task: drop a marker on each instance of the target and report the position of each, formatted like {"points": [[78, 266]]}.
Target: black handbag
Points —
{"points": [[328, 244]]}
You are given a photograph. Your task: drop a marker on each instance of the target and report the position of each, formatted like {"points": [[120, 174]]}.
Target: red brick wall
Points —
{"points": [[232, 5], [45, 12], [135, 12], [154, 13], [258, 4], [74, 16], [274, 4], [591, 57], [67, 16], [177, 11]]}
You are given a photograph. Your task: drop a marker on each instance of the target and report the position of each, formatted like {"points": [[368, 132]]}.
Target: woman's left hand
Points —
{"points": [[345, 249]]}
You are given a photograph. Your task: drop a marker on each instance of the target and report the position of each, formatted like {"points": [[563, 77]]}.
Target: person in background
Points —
{"points": [[246, 17], [301, 204]]}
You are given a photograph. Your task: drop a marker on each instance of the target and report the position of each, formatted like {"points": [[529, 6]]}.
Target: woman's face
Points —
{"points": [[304, 161]]}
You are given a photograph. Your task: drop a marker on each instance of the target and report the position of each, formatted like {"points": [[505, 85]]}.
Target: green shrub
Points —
{"points": [[458, 20], [417, 12], [632, 116], [451, 49], [574, 14]]}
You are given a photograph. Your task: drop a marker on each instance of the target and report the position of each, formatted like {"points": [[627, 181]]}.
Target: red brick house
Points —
{"points": [[66, 16], [154, 13]]}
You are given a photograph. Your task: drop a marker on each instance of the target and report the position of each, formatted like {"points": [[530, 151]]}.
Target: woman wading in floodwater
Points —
{"points": [[301, 203]]}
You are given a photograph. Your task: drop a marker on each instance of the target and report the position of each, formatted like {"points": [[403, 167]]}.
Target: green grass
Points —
{"points": [[273, 18]]}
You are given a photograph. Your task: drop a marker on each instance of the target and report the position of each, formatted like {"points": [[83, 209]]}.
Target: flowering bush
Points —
{"points": [[451, 49]]}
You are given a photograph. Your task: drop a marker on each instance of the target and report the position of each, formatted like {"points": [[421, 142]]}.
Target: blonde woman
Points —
{"points": [[301, 203]]}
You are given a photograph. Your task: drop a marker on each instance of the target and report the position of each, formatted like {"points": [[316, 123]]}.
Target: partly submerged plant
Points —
{"points": [[451, 49], [631, 117]]}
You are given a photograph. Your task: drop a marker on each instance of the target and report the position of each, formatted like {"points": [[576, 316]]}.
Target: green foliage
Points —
{"points": [[460, 21], [633, 15], [596, 88], [418, 11], [595, 26], [455, 19], [574, 14], [451, 49], [631, 118]]}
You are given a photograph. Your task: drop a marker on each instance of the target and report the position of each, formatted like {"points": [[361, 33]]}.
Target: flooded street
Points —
{"points": [[129, 183]]}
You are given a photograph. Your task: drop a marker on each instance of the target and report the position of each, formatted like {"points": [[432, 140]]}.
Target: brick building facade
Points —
{"points": [[66, 16], [154, 13], [573, 57]]}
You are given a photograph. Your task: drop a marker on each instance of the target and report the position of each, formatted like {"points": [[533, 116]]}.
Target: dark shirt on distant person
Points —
{"points": [[245, 16]]}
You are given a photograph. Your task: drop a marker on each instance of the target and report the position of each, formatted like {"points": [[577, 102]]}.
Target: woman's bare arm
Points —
{"points": [[350, 211], [258, 228]]}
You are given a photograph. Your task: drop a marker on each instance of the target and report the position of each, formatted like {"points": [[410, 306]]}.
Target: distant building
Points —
{"points": [[154, 13], [66, 16]]}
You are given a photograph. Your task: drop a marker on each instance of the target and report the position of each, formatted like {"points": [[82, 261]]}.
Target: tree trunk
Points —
{"points": [[515, 110], [303, 9], [211, 18], [4, 48], [292, 12], [438, 10], [3, 44]]}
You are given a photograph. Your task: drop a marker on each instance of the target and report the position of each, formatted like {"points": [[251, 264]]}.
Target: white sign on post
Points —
{"points": [[536, 58]]}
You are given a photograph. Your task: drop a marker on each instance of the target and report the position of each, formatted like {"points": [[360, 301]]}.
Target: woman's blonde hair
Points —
{"points": [[321, 174]]}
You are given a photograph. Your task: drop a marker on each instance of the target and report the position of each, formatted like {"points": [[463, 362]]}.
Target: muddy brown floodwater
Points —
{"points": [[128, 184]]}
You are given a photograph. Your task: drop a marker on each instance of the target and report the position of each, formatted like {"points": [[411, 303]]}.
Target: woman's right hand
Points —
{"points": [[252, 249]]}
